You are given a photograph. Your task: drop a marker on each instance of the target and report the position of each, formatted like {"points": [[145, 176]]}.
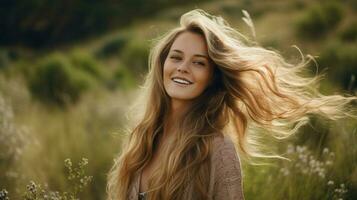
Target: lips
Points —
{"points": [[181, 80]]}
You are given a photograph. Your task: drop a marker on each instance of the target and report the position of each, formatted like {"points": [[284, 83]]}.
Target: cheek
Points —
{"points": [[165, 70], [204, 78]]}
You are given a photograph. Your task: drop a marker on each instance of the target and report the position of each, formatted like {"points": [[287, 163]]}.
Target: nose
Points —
{"points": [[183, 67]]}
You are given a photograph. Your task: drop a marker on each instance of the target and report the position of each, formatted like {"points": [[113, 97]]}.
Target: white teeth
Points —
{"points": [[178, 80]]}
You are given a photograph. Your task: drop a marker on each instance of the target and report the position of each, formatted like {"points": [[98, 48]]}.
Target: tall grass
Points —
{"points": [[76, 177], [88, 129], [316, 170]]}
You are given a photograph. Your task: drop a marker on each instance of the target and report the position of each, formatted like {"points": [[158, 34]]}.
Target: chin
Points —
{"points": [[182, 97]]}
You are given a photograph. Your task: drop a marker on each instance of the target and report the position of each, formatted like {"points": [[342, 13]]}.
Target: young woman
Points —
{"points": [[206, 81]]}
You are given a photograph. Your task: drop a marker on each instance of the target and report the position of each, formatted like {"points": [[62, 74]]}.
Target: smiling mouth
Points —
{"points": [[181, 81]]}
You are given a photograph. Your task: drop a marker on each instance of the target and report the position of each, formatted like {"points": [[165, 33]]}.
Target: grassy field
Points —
{"points": [[71, 102]]}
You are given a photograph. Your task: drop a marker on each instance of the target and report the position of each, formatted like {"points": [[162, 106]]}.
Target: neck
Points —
{"points": [[177, 111]]}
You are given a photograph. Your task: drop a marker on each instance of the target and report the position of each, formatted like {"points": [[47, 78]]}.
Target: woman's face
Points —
{"points": [[187, 68]]}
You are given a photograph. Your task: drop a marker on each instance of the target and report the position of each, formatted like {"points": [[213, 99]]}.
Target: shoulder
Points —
{"points": [[223, 148], [226, 170]]}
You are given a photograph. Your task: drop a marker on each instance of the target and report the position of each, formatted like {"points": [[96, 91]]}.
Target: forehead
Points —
{"points": [[190, 43]]}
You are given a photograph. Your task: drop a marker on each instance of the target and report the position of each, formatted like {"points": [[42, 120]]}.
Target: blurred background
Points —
{"points": [[69, 69]]}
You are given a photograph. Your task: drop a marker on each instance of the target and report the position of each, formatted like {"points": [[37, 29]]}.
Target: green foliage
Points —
{"points": [[112, 47], [4, 59], [319, 19], [85, 62], [135, 56], [56, 81], [349, 33], [351, 3], [341, 61], [122, 78]]}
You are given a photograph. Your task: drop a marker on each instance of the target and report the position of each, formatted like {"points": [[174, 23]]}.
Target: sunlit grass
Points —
{"points": [[88, 129], [322, 166]]}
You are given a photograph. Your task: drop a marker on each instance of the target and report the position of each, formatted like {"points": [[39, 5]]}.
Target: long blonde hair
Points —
{"points": [[252, 86]]}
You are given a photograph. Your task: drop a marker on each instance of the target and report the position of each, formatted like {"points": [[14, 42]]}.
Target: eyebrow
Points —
{"points": [[197, 55]]}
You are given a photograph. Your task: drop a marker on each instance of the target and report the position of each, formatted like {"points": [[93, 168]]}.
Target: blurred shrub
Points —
{"points": [[122, 78], [349, 33], [7, 55], [319, 19], [299, 4], [351, 3], [135, 56], [56, 81], [85, 62], [112, 47], [4, 59], [341, 61]]}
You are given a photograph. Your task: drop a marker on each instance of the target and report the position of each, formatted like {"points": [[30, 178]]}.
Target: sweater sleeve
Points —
{"points": [[227, 171]]}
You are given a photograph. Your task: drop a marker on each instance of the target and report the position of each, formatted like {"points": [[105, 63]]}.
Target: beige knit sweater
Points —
{"points": [[225, 176]]}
